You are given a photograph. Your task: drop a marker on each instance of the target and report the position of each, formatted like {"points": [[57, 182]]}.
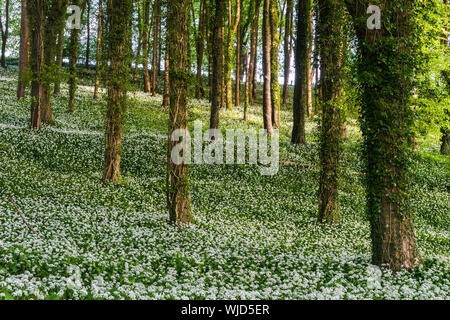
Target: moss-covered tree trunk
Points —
{"points": [[274, 46], [36, 16], [288, 29], [301, 71], [267, 97], [386, 73], [119, 13], [178, 41], [98, 53], [331, 44], [217, 56], [24, 50]]}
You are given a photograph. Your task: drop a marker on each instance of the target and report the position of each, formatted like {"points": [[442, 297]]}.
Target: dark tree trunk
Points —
{"points": [[178, 42], [301, 71], [24, 50], [218, 57], [98, 54], [36, 18], [288, 29], [267, 98], [331, 35], [119, 13], [5, 33]]}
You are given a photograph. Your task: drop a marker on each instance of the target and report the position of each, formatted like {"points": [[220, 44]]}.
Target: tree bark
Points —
{"points": [[98, 54], [36, 18], [218, 54], [267, 98], [331, 35], [119, 13], [24, 50], [301, 71], [178, 41], [274, 44]]}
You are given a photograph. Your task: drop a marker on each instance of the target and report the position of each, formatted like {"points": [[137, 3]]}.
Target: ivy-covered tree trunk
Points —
{"points": [[36, 16], [301, 71], [145, 45], [178, 199], [267, 97], [288, 29], [218, 57], [274, 46], [156, 25], [331, 46], [119, 13], [24, 50], [386, 71], [98, 54], [55, 18]]}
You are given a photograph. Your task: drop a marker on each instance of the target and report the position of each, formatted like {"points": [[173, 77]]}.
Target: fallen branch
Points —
{"points": [[22, 216]]}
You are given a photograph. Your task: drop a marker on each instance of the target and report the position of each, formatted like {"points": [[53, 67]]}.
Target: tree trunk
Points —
{"points": [[36, 18], [166, 79], [178, 199], [156, 22], [59, 61], [247, 86], [301, 71], [331, 35], [139, 40], [274, 44], [310, 69], [253, 52], [267, 98], [88, 40], [145, 43], [199, 92], [389, 58], [231, 34], [119, 13], [288, 29], [238, 65], [98, 54], [218, 54], [5, 32], [24, 50]]}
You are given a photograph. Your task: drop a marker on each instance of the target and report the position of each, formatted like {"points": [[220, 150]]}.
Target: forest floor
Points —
{"points": [[254, 236]]}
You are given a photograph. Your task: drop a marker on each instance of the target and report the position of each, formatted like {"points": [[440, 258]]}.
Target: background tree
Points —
{"points": [[98, 53], [288, 30], [156, 27], [145, 44], [5, 32], [233, 22], [24, 50], [267, 97], [119, 13], [178, 41], [274, 44]]}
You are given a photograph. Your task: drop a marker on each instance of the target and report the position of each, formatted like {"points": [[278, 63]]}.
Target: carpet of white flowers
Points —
{"points": [[254, 237]]}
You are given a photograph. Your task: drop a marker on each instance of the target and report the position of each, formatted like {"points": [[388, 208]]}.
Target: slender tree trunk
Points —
{"points": [[119, 14], [156, 22], [238, 61], [139, 41], [24, 50], [267, 99], [59, 61], [166, 96], [288, 29], [301, 71], [231, 34], [218, 54], [5, 33], [36, 17], [98, 54], [331, 37], [310, 69], [199, 92], [145, 43], [88, 40], [177, 174], [247, 86], [254, 51], [274, 44], [445, 140]]}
